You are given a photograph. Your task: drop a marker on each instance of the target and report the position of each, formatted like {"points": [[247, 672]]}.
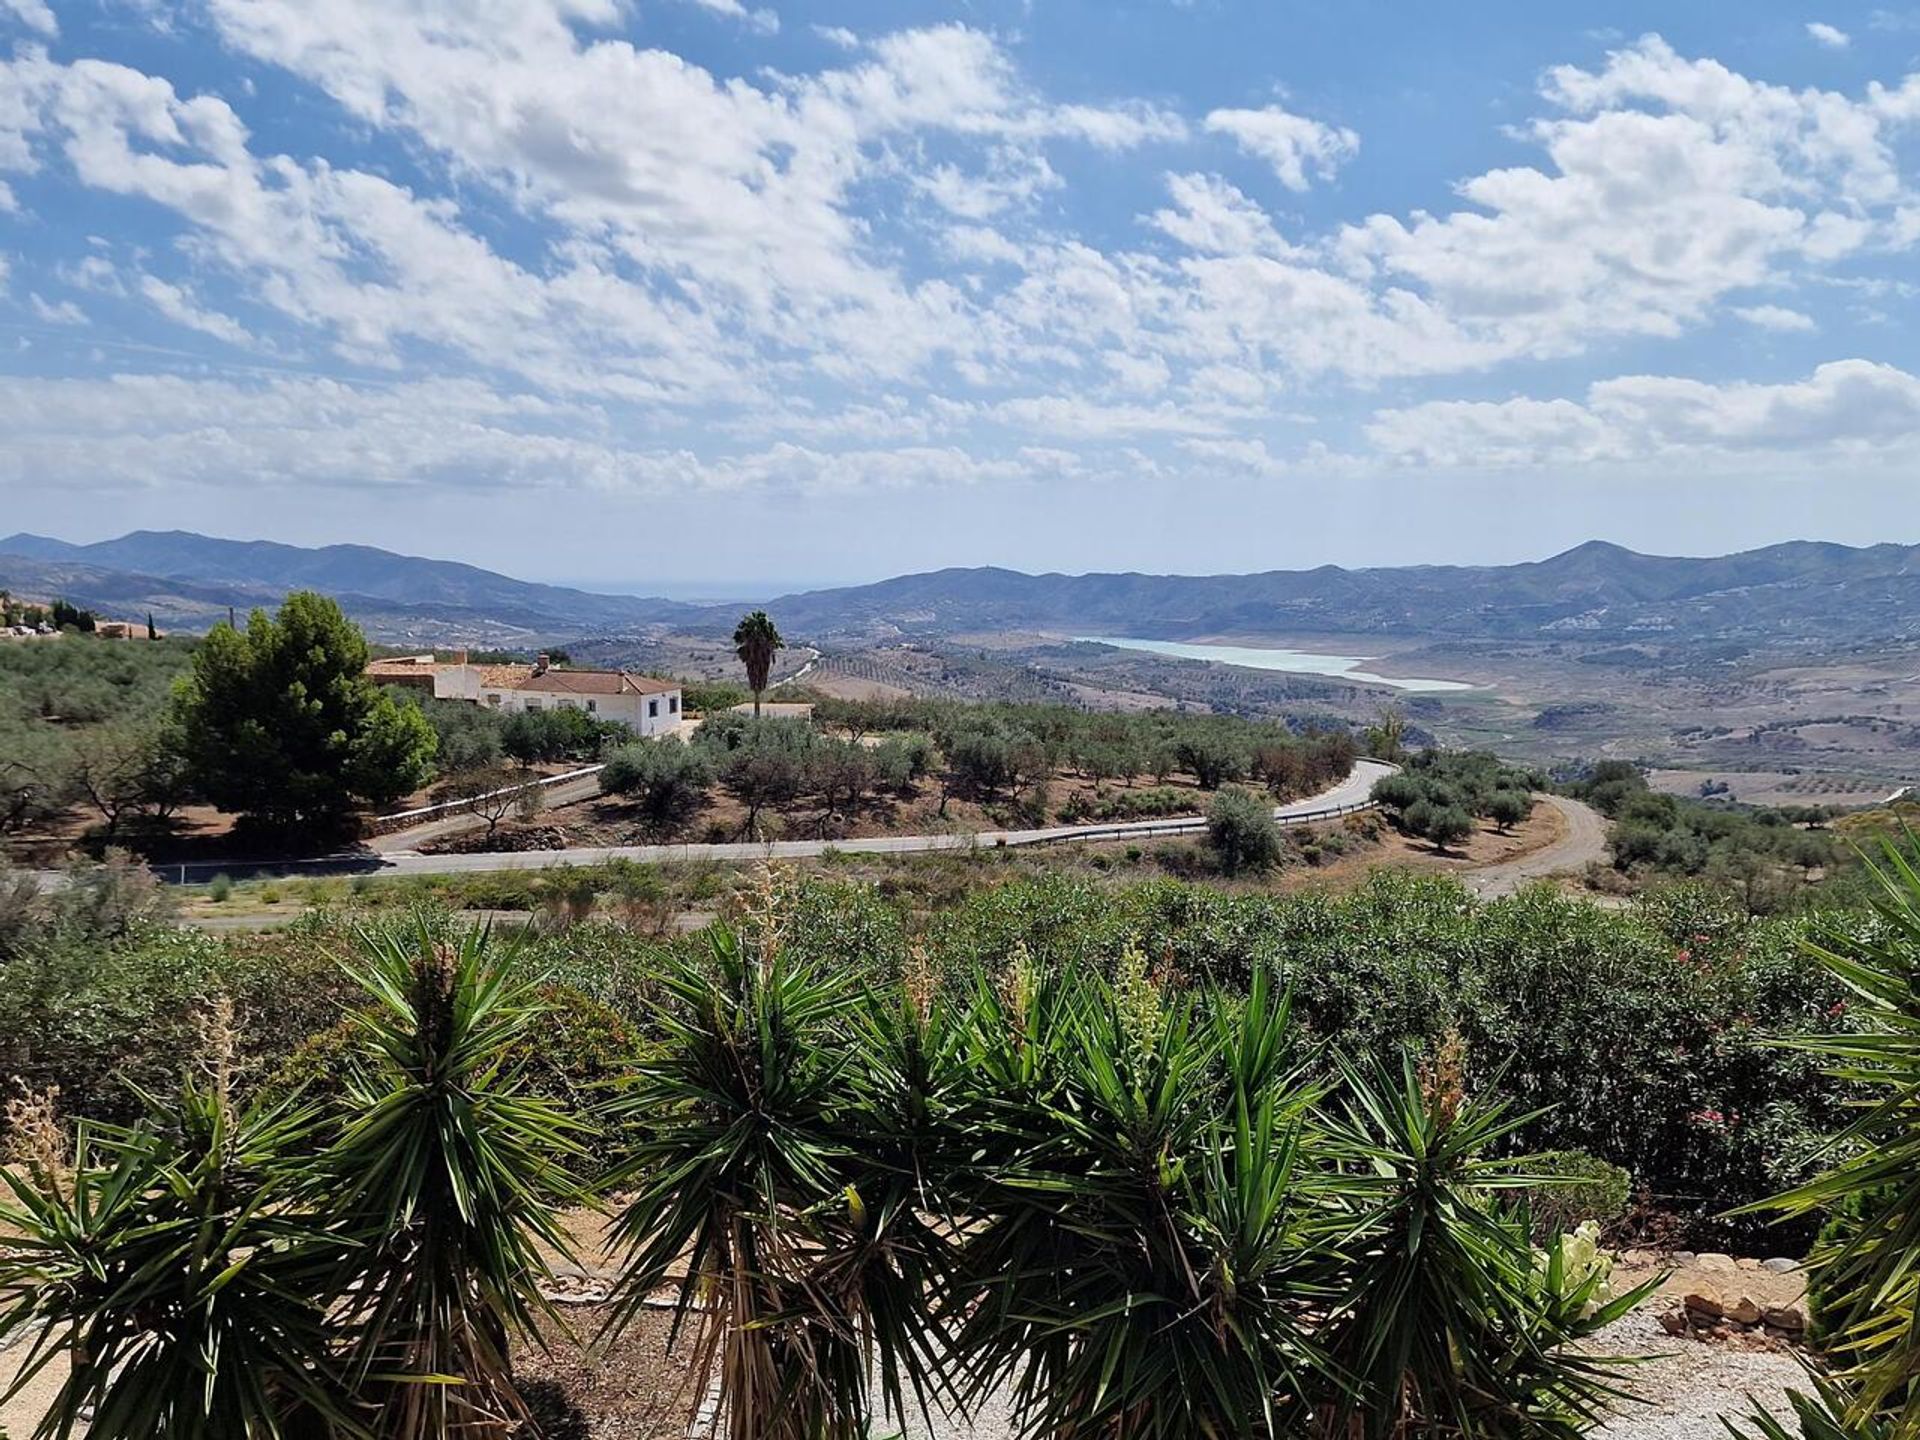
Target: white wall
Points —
{"points": [[642, 714]]}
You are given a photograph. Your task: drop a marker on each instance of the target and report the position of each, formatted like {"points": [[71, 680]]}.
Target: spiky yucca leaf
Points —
{"points": [[1144, 1257], [450, 1178], [1872, 1278], [173, 1269], [788, 1163], [1822, 1415], [1451, 1330]]}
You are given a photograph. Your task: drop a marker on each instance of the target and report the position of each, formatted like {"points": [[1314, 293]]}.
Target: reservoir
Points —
{"points": [[1297, 662]]}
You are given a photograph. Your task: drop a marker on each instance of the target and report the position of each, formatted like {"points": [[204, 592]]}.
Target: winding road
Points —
{"points": [[1351, 794]]}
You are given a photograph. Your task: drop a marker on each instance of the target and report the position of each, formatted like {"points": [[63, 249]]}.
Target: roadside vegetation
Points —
{"points": [[1767, 856], [84, 727], [873, 767], [1237, 1110]]}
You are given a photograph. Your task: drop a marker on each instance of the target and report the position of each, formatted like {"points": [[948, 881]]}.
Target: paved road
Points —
{"points": [[1350, 794], [1585, 841]]}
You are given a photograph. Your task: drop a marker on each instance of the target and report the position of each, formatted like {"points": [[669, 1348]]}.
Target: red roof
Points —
{"points": [[596, 682]]}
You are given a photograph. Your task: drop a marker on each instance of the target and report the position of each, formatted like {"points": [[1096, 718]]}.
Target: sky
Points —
{"points": [[658, 294]]}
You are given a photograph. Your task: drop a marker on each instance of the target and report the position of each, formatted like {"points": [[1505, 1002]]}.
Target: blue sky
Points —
{"points": [[654, 293]]}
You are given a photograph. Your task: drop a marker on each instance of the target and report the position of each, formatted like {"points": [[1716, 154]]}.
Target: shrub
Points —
{"points": [[220, 889], [667, 780], [1580, 1187], [1241, 831]]}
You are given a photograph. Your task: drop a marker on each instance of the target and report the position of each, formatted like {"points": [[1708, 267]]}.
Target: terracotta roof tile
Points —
{"points": [[596, 682]]}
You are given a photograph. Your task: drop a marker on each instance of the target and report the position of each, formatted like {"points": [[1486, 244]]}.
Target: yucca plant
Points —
{"points": [[172, 1266], [1821, 1414], [1144, 1260], [782, 1117], [449, 1177], [1870, 1278], [1451, 1328]]}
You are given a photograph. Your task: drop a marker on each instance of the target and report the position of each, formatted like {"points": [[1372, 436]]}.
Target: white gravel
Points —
{"points": [[1688, 1385]]}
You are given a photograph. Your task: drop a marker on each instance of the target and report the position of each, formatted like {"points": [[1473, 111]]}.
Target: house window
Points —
{"points": [[653, 709], [593, 707], [493, 700], [673, 704], [534, 705]]}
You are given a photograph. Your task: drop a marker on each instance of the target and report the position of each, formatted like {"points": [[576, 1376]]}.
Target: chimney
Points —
{"points": [[459, 657], [540, 665]]}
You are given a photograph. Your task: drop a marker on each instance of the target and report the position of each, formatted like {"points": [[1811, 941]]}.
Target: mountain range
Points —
{"points": [[190, 580], [1798, 591], [1595, 591]]}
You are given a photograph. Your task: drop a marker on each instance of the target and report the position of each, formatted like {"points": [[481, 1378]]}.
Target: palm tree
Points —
{"points": [[755, 640]]}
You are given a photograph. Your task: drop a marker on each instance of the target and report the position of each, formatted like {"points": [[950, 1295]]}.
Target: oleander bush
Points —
{"points": [[1643, 1037]]}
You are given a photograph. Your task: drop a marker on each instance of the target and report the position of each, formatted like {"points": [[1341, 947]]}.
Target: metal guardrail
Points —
{"points": [[467, 802], [1180, 825], [361, 862]]}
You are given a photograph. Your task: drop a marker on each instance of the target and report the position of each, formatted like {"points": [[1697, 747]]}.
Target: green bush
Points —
{"points": [[666, 779], [1241, 831], [1581, 1187]]}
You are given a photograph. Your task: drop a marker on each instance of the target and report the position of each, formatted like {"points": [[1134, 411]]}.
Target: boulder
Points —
{"points": [[1675, 1322], [1790, 1318], [1705, 1301], [1745, 1311], [1780, 1265]]}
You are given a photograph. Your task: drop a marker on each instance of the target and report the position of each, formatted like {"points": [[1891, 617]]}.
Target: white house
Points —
{"points": [[643, 704]]}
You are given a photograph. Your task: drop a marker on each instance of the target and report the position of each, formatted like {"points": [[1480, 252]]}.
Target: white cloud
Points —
{"points": [[765, 22], [1673, 183], [56, 312], [163, 432], [1774, 317], [1297, 148], [36, 15], [1830, 37], [178, 305], [724, 253], [838, 35], [1844, 408]]}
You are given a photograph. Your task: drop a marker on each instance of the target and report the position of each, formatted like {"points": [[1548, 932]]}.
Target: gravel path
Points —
{"points": [[1687, 1385]]}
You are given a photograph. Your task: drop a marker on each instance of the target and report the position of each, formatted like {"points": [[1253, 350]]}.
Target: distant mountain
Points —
{"points": [[1594, 591], [153, 569], [1829, 595]]}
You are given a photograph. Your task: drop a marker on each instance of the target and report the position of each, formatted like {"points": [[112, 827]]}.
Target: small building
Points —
{"points": [[645, 705]]}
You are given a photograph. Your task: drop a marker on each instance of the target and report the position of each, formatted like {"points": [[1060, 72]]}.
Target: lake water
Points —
{"points": [[1296, 662]]}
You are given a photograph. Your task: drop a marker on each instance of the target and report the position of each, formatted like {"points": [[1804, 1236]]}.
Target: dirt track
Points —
{"points": [[1584, 842]]}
